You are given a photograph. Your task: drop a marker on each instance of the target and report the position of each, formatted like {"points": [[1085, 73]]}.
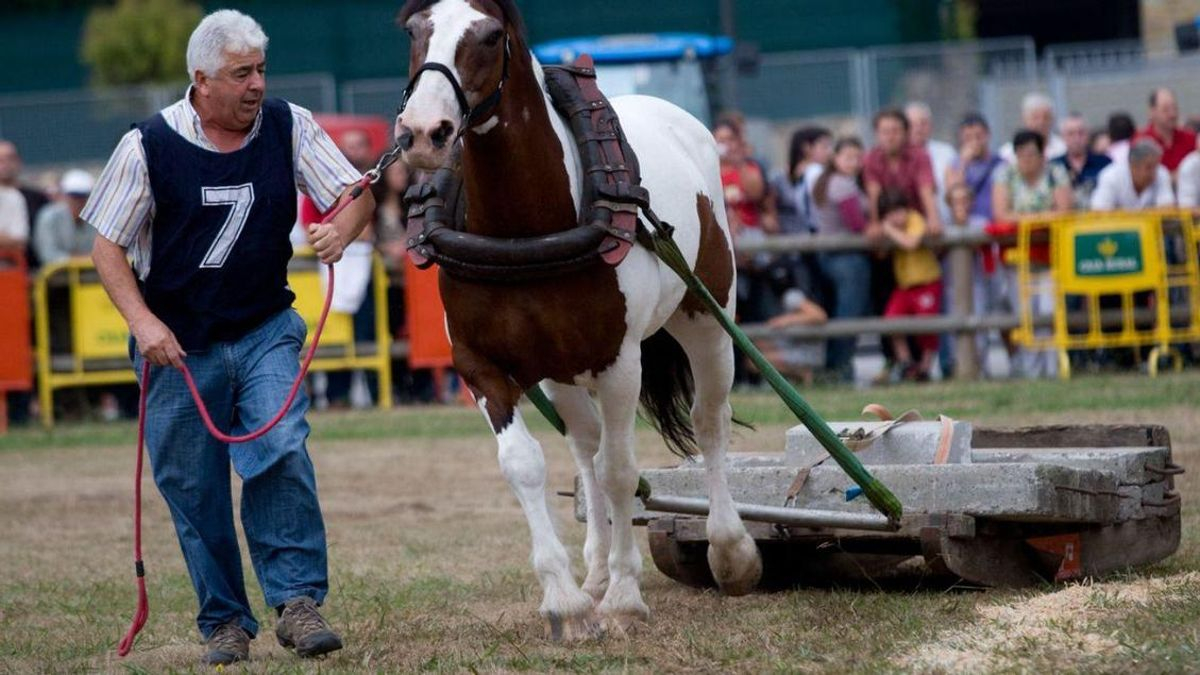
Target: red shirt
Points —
{"points": [[1182, 143], [910, 171], [748, 211]]}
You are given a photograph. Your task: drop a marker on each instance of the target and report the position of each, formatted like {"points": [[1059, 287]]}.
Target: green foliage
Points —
{"points": [[139, 41]]}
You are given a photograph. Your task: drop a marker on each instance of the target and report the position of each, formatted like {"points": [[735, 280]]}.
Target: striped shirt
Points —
{"points": [[121, 206]]}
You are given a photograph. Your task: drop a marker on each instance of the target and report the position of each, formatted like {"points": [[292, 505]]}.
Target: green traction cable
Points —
{"points": [[664, 245]]}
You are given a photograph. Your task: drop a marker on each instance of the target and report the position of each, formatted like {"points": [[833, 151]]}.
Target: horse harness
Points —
{"points": [[612, 192]]}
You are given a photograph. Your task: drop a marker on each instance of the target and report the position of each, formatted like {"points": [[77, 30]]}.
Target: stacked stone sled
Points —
{"points": [[1006, 508]]}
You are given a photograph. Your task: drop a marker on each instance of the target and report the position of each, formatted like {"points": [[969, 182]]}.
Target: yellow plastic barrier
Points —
{"points": [[98, 343], [1119, 255]]}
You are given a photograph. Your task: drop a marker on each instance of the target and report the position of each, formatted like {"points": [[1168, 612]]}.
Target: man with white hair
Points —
{"points": [[1140, 183], [203, 195], [1082, 165], [941, 154], [1037, 114]]}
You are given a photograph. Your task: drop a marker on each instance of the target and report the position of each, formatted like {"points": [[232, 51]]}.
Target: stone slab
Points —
{"points": [[906, 443], [1015, 492]]}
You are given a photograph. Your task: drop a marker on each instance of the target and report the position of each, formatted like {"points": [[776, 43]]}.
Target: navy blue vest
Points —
{"points": [[219, 247]]}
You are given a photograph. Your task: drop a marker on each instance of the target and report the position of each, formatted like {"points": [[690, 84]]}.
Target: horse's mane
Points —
{"points": [[508, 8]]}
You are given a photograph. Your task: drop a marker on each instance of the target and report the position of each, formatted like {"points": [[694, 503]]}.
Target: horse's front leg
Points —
{"points": [[617, 471], [575, 407], [567, 611]]}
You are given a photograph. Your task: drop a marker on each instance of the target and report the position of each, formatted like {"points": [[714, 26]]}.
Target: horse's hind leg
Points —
{"points": [[575, 406], [733, 556], [568, 612]]}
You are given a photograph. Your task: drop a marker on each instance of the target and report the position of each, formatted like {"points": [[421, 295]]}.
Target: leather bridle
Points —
{"points": [[470, 115]]}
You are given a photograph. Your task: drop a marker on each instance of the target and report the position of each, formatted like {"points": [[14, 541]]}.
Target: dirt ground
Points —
{"points": [[429, 571]]}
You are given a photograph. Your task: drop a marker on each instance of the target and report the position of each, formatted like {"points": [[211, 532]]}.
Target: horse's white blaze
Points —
{"points": [[433, 98]]}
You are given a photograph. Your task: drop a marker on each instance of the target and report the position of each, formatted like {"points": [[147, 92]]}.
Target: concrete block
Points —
{"points": [[1015, 492], [907, 443]]}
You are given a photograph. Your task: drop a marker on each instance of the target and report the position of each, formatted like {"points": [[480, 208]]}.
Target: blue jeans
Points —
{"points": [[243, 383], [849, 279]]}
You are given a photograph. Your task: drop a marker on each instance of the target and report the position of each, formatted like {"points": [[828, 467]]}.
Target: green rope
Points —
{"points": [[876, 492], [538, 398], [666, 249]]}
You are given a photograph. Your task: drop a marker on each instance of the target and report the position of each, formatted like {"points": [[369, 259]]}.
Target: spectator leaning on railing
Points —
{"points": [[809, 150], [1031, 187], [918, 289], [1082, 165], [840, 208], [941, 154], [1139, 183]]}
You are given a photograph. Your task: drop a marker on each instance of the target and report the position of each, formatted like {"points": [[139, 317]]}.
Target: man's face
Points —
{"points": [[10, 163], [235, 93], [356, 146], [920, 127], [974, 139], [1075, 134], [1041, 120], [1143, 172], [1165, 113], [890, 135]]}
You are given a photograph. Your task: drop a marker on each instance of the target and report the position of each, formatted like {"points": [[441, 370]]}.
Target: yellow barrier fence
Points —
{"points": [[1138, 266], [95, 349]]}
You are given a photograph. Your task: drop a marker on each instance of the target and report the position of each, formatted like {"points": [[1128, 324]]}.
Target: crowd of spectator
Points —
{"points": [[905, 186], [909, 184]]}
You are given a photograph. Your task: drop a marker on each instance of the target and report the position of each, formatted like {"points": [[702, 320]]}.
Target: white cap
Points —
{"points": [[77, 182]]}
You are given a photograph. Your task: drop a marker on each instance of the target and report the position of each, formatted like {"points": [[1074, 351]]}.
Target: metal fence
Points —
{"points": [[83, 126], [840, 88]]}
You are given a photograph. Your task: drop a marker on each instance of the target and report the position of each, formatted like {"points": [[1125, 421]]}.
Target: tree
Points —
{"points": [[139, 41]]}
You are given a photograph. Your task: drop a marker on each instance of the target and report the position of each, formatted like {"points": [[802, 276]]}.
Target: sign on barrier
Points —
{"points": [[1110, 254], [1115, 264]]}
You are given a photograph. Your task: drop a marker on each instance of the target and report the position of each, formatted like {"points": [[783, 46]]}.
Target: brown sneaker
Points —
{"points": [[228, 643], [303, 628]]}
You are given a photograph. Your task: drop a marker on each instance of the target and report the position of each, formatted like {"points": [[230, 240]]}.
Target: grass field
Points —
{"points": [[429, 571]]}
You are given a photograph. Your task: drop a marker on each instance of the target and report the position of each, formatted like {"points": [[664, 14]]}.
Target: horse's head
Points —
{"points": [[457, 67]]}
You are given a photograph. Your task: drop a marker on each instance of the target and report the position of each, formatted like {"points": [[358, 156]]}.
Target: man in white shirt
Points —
{"points": [[1140, 183], [1188, 179], [14, 219], [1037, 114], [941, 154]]}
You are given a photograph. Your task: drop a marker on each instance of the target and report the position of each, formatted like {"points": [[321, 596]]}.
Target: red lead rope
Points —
{"points": [[143, 605]]}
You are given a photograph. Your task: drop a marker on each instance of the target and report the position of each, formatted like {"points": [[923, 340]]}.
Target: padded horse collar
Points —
{"points": [[470, 116], [608, 226]]}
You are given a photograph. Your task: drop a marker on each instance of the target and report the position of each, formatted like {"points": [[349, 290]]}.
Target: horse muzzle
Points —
{"points": [[426, 146]]}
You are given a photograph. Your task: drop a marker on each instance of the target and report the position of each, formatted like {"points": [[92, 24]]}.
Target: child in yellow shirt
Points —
{"points": [[918, 281]]}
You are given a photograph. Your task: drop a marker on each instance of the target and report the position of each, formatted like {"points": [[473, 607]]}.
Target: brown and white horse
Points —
{"points": [[592, 338]]}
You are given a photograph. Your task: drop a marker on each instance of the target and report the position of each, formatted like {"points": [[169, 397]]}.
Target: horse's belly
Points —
{"points": [[556, 329]]}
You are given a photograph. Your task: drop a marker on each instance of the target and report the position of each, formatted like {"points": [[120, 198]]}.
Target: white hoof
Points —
{"points": [[737, 568]]}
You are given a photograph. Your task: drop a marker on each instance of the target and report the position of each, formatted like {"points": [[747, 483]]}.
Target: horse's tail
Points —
{"points": [[668, 392]]}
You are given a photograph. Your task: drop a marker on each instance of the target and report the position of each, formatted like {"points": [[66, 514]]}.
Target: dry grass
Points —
{"points": [[429, 571]]}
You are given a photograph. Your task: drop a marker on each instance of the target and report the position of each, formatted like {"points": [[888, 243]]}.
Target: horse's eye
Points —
{"points": [[493, 38], [409, 30]]}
